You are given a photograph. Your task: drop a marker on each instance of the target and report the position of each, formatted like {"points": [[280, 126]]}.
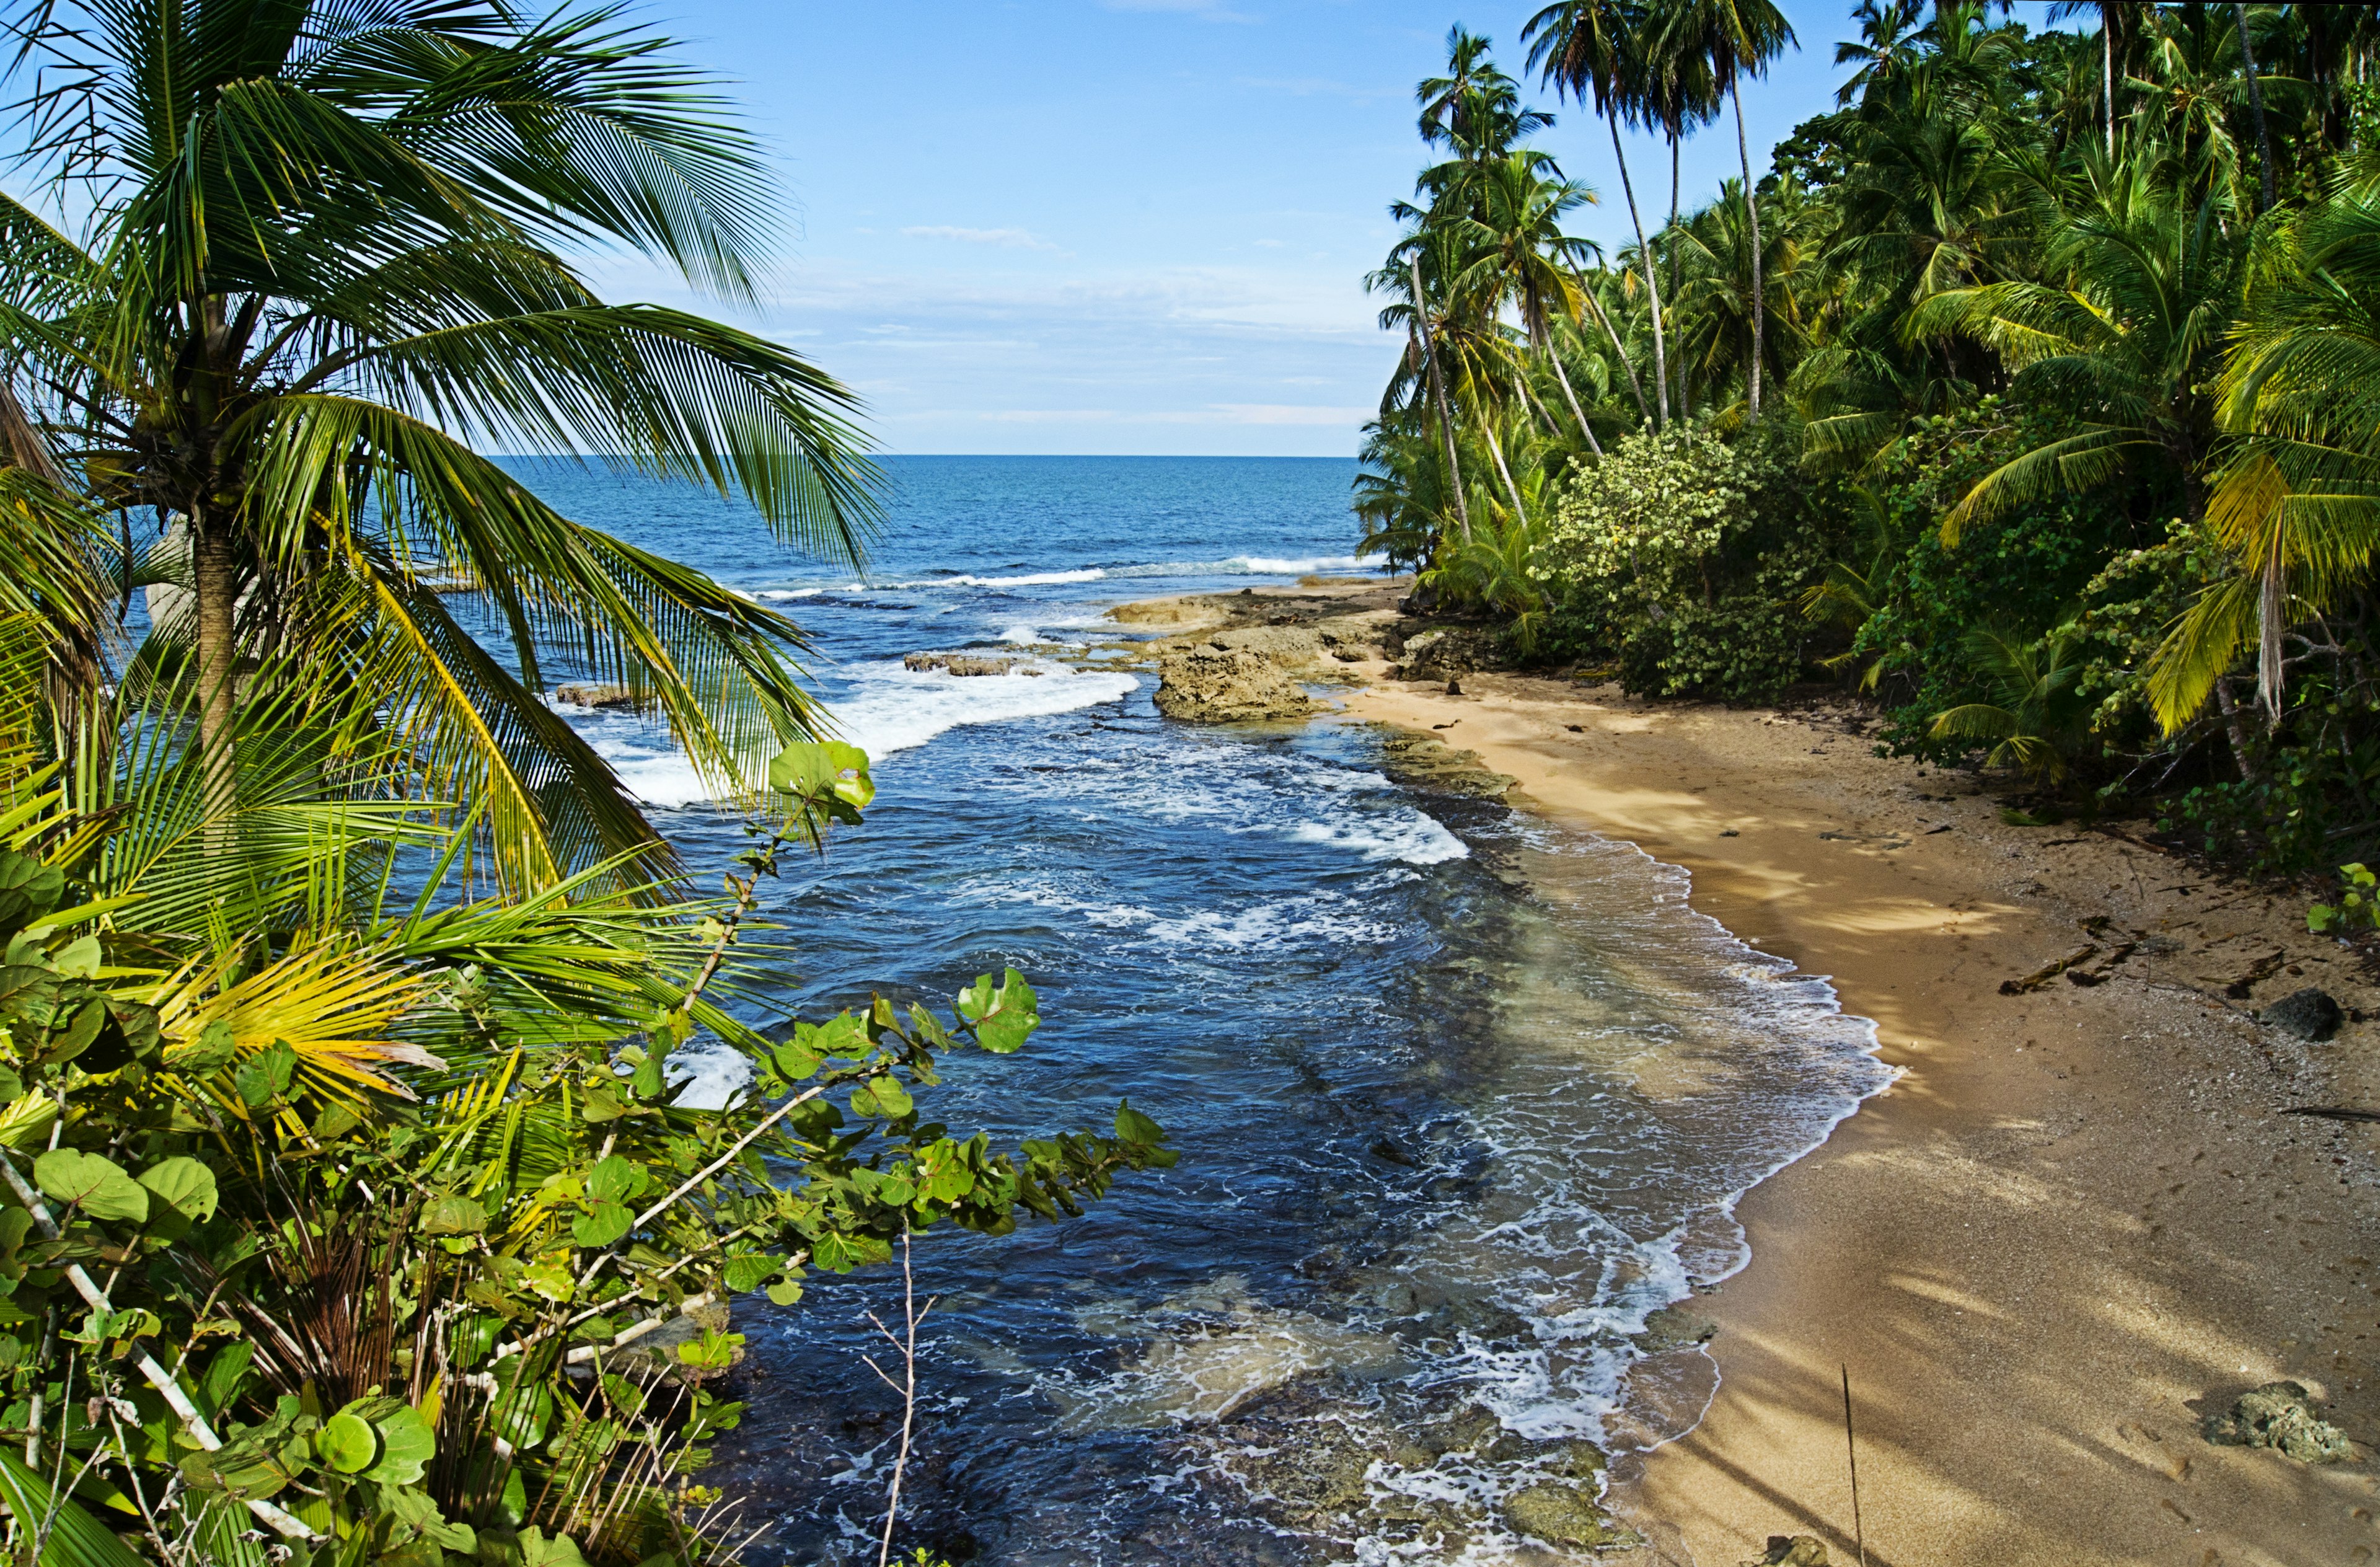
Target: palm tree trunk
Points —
{"points": [[2107, 70], [1571, 397], [1760, 289], [2256, 106], [1669, 242], [1652, 287], [215, 585], [1520, 512], [1620, 351], [1437, 389]]}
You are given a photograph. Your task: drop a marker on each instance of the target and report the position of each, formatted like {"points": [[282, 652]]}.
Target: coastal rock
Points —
{"points": [[2280, 1416], [1211, 685], [1445, 651], [2310, 1015], [599, 694], [1431, 763], [1287, 645], [656, 1353], [1792, 1551], [1670, 1328], [962, 663], [1561, 1514]]}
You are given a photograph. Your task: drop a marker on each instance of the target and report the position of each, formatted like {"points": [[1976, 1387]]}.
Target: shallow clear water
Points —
{"points": [[1461, 1098]]}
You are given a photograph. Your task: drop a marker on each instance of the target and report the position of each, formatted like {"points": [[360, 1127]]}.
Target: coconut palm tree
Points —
{"points": [[296, 282], [2126, 340], [1739, 38], [1594, 48]]}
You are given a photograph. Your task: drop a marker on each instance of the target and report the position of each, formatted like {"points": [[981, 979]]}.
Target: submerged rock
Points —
{"points": [[1792, 1551], [1561, 1515], [2280, 1416], [1211, 685], [2310, 1015]]}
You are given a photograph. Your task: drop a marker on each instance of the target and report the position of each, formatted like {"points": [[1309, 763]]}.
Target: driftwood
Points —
{"points": [[2332, 1113], [2044, 975]]}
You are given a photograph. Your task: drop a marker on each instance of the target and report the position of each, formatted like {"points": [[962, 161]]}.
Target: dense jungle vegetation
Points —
{"points": [[2034, 392], [350, 1209]]}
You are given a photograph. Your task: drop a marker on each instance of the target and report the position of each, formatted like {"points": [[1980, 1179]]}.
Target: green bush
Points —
{"points": [[1680, 555]]}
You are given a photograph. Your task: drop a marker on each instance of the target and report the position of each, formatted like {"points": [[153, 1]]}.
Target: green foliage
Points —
{"points": [[1682, 554], [2358, 907]]}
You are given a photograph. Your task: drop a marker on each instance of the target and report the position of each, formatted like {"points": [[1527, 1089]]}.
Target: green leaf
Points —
{"points": [[891, 1099], [99, 1187], [1132, 1126], [348, 1442], [79, 959], [647, 1083], [604, 1224], [1003, 1015], [2321, 917], [266, 1076], [785, 1293], [76, 1539], [749, 1272], [406, 1446], [539, 1551], [454, 1216], [186, 1186], [827, 775], [615, 1179]]}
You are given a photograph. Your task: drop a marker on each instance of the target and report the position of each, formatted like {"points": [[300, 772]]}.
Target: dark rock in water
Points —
{"points": [[1792, 1551], [2280, 1416], [959, 663], [2310, 1015], [1387, 1147], [593, 694], [1454, 688], [1670, 1328], [1561, 1515]]}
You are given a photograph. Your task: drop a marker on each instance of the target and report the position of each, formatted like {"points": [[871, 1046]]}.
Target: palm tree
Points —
{"points": [[1594, 47], [2126, 340], [298, 283], [1517, 253], [2036, 712], [2255, 105], [2299, 511], [1740, 37]]}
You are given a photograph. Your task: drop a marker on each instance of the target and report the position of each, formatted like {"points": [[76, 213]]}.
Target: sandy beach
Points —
{"points": [[2076, 1221], [2075, 1224]]}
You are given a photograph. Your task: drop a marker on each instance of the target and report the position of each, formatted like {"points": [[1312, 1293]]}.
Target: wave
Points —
{"points": [[1230, 566], [891, 709]]}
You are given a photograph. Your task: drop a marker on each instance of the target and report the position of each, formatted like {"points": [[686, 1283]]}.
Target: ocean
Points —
{"points": [[1462, 1097]]}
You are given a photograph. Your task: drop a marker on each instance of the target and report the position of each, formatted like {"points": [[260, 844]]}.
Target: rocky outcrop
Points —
{"points": [[1562, 1514], [1444, 652], [1227, 684], [1792, 1551], [601, 694], [965, 664], [2280, 1416], [1431, 763]]}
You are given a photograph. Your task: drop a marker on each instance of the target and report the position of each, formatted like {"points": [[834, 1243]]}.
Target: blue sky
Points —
{"points": [[1125, 225]]}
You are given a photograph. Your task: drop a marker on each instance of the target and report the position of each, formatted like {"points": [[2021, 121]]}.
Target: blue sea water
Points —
{"points": [[1461, 1098]]}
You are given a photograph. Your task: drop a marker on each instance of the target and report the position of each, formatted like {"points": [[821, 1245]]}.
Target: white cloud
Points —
{"points": [[1009, 238]]}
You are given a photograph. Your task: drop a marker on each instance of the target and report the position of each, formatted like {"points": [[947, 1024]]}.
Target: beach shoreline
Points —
{"points": [[2073, 1226]]}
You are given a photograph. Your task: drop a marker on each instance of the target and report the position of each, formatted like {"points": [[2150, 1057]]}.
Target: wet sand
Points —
{"points": [[2074, 1224]]}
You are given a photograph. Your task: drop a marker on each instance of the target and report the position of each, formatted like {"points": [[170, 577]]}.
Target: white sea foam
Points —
{"points": [[781, 594], [1271, 925], [894, 708], [1414, 836]]}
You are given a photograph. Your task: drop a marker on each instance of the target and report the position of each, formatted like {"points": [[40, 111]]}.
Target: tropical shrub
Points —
{"points": [[1683, 553]]}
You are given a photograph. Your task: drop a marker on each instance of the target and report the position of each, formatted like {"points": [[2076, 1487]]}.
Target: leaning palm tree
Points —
{"points": [[2298, 509], [1740, 37], [307, 261]]}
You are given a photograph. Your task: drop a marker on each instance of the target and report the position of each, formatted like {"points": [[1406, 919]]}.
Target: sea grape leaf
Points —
{"points": [[604, 1224], [1132, 1126], [454, 1216], [266, 1076], [1004, 1015], [749, 1272], [827, 775], [891, 1099], [186, 1186], [615, 1179], [406, 1446], [348, 1442], [99, 1187]]}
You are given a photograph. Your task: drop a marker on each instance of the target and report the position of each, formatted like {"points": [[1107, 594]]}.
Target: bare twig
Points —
{"points": [[906, 1342], [1850, 1447]]}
